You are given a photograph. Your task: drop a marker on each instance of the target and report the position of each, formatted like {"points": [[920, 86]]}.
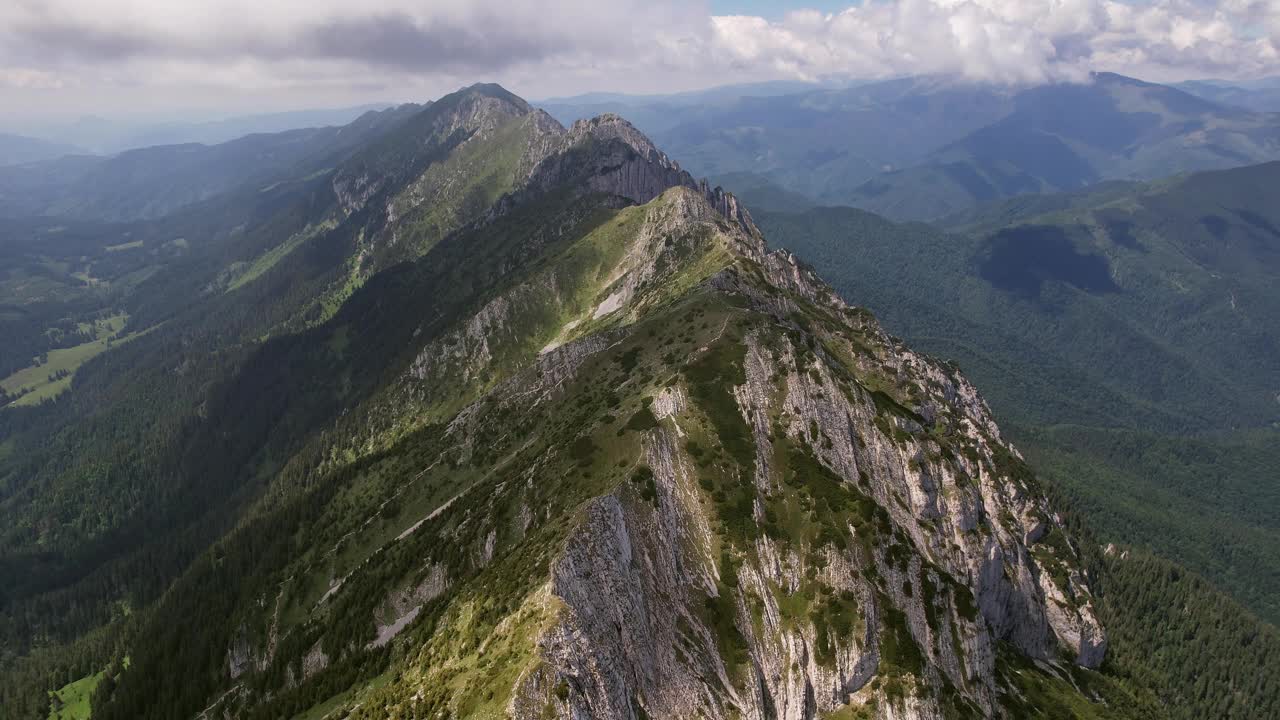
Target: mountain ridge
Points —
{"points": [[21, 149], [585, 448]]}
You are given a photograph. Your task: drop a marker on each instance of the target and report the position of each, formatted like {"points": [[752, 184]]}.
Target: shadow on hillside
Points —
{"points": [[1021, 260]]}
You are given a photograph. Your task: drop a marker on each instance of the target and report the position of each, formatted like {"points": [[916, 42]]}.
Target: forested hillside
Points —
{"points": [[1171, 630]]}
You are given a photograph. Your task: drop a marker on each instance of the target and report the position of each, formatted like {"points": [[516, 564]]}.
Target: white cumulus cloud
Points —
{"points": [[1010, 41], [146, 53]]}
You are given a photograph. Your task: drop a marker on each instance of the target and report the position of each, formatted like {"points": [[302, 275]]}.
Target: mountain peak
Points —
{"points": [[484, 147], [428, 136], [610, 126], [1111, 78], [607, 154], [492, 90]]}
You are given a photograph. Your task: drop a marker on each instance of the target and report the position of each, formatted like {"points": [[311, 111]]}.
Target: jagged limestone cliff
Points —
{"points": [[632, 464], [803, 515]]}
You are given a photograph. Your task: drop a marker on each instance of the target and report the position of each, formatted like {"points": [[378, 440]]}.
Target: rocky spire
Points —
{"points": [[607, 154]]}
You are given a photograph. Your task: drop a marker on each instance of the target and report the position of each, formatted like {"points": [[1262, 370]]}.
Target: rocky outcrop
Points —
{"points": [[608, 155], [951, 568], [633, 581], [402, 607]]}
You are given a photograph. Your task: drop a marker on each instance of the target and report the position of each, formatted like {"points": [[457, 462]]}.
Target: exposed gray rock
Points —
{"points": [[633, 575], [402, 606]]}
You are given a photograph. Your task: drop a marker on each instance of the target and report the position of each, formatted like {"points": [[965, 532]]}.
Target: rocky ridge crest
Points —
{"points": [[684, 478]]}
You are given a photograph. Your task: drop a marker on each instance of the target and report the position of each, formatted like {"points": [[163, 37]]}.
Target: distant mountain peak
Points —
{"points": [[610, 126], [491, 90], [1106, 77]]}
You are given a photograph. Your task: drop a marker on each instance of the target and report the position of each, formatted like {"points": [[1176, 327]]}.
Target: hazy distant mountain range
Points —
{"points": [[1260, 95], [924, 148], [908, 148], [103, 136], [153, 181], [17, 149]]}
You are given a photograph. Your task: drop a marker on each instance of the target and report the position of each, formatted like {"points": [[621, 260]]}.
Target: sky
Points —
{"points": [[63, 58]]}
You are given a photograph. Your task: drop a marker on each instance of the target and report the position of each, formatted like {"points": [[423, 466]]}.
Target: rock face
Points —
{"points": [[674, 475], [944, 565]]}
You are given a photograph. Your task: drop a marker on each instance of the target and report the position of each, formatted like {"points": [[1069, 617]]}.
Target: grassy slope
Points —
{"points": [[580, 269], [365, 514], [251, 271], [38, 383], [452, 192], [71, 701]]}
